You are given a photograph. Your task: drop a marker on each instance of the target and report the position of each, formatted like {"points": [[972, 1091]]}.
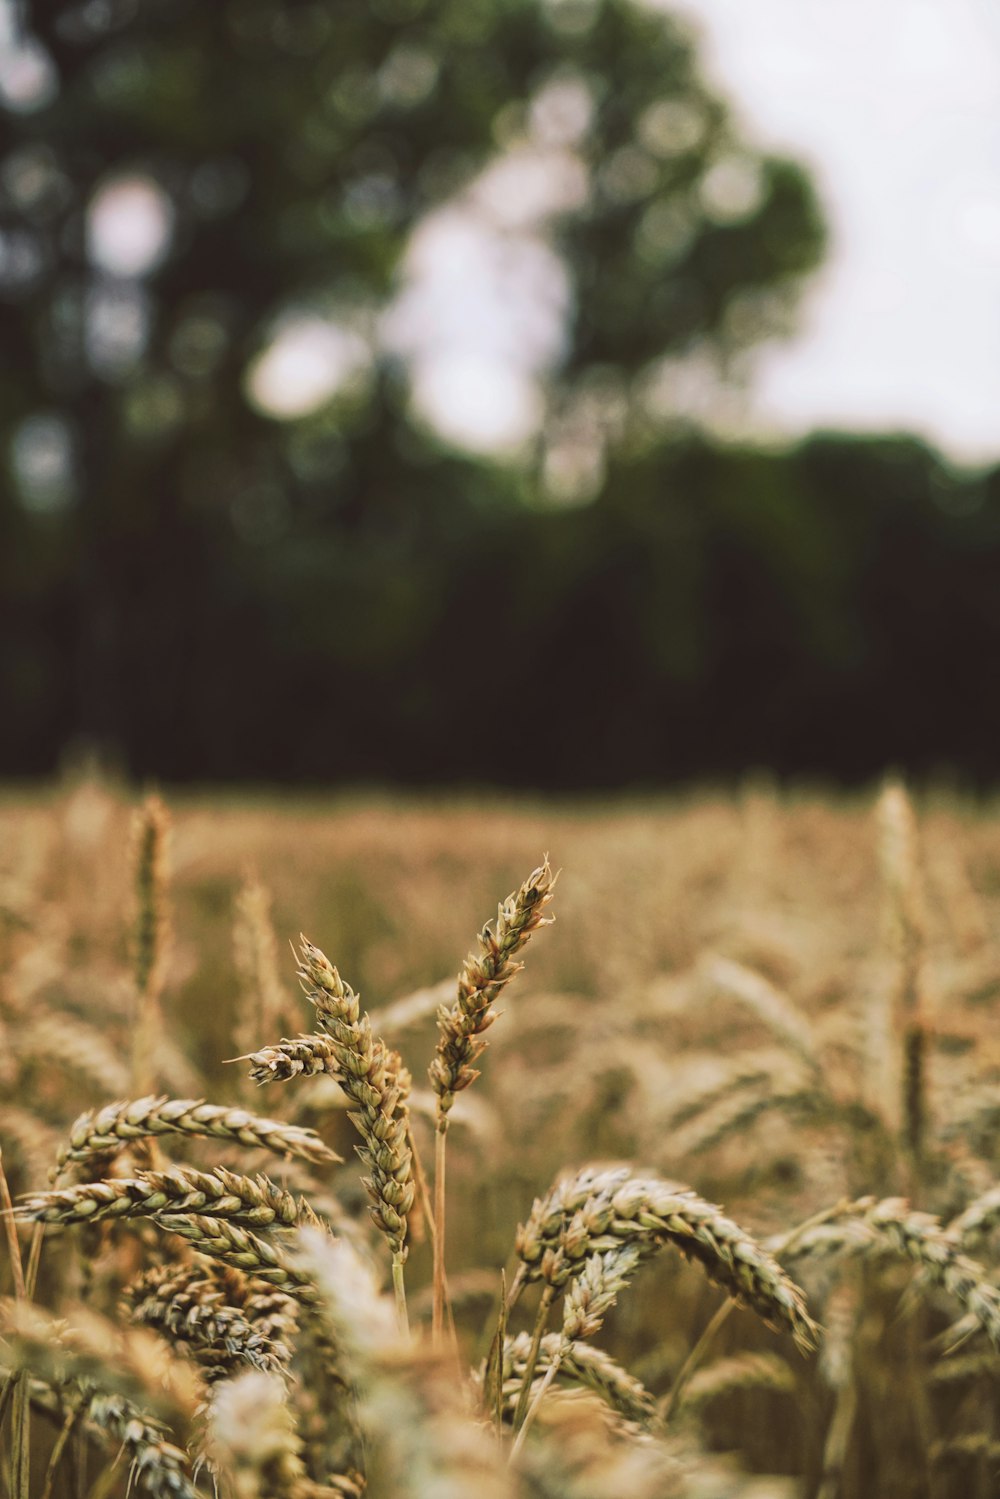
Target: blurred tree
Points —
{"points": [[223, 233]]}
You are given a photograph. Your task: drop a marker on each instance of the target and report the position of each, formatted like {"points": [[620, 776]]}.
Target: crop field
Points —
{"points": [[715, 1213]]}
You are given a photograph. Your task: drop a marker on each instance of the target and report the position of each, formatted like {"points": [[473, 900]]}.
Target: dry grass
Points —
{"points": [[790, 1005]]}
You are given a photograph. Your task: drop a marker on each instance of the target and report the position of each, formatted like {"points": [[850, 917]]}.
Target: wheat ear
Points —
{"points": [[117, 1124], [151, 833], [602, 1210], [192, 1309], [461, 1026], [374, 1079], [219, 1193]]}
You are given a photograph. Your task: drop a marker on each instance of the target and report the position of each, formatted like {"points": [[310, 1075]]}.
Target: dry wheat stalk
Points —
{"points": [[481, 979], [255, 952], [151, 830], [180, 1189], [118, 1124], [370, 1074]]}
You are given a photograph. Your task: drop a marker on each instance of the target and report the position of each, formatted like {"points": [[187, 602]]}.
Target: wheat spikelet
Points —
{"points": [[129, 1362], [772, 1008], [47, 1040], [972, 1446], [117, 1124], [154, 1462], [962, 1367], [907, 939], [221, 1193], [461, 1027], [365, 1070], [370, 1074], [593, 1291], [306, 1056], [252, 1437], [421, 1434], [583, 1452], [29, 1140]]}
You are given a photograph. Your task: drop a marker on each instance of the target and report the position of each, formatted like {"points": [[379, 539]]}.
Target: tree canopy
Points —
{"points": [[198, 202]]}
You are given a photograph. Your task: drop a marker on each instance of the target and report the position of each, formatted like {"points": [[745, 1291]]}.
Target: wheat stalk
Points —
{"points": [[219, 1193], [151, 832], [375, 1081], [461, 1026], [118, 1124], [256, 956]]}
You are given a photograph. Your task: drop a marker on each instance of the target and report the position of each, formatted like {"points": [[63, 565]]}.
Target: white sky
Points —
{"points": [[895, 105]]}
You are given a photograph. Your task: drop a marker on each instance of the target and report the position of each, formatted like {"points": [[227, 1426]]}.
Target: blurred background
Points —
{"points": [[544, 393]]}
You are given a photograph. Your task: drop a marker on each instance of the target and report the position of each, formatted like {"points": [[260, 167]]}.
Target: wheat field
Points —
{"points": [[715, 1213]]}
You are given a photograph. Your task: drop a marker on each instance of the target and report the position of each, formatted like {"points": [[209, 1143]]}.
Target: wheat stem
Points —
{"points": [[668, 1404], [440, 1160], [541, 1322]]}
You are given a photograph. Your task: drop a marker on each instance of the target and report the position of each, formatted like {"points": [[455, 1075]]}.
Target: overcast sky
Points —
{"points": [[895, 104]]}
